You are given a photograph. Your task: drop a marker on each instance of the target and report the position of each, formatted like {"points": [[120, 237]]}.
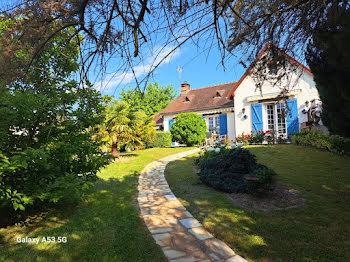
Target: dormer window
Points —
{"points": [[219, 93], [187, 99]]}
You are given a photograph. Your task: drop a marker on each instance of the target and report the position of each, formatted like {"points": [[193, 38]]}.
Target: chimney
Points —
{"points": [[185, 88]]}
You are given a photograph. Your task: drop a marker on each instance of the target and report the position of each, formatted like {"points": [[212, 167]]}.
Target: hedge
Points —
{"points": [[163, 139], [335, 144]]}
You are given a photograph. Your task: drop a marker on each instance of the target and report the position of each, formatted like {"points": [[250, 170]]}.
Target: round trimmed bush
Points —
{"points": [[189, 129]]}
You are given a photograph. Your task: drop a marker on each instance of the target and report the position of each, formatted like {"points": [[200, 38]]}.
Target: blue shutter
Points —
{"points": [[223, 124], [171, 121], [257, 119], [292, 116]]}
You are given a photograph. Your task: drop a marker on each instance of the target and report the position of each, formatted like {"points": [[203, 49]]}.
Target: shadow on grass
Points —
{"points": [[301, 234], [105, 227]]}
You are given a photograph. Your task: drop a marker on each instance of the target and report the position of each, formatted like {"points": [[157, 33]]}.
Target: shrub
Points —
{"points": [[189, 129], [204, 156], [331, 143], [227, 171], [163, 139], [264, 182]]}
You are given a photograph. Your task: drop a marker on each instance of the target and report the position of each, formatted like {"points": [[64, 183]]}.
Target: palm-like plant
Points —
{"points": [[123, 126], [143, 130], [115, 129]]}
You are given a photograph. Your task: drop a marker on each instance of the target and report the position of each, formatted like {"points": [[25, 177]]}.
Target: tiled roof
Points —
{"points": [[158, 119], [202, 98]]}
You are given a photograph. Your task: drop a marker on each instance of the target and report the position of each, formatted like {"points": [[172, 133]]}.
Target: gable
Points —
{"points": [[248, 72]]}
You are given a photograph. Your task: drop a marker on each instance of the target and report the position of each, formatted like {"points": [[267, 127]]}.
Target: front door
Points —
{"points": [[276, 119]]}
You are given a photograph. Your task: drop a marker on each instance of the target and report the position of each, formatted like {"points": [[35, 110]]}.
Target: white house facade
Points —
{"points": [[240, 107]]}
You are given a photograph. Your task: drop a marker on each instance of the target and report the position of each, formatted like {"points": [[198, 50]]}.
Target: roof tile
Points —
{"points": [[202, 98]]}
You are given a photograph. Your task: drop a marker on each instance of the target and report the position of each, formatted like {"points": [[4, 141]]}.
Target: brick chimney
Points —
{"points": [[185, 88]]}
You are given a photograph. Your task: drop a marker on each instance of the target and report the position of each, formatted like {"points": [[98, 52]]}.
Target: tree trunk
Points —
{"points": [[115, 151]]}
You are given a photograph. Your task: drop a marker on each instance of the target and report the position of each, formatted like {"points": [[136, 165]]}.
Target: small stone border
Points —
{"points": [[181, 237]]}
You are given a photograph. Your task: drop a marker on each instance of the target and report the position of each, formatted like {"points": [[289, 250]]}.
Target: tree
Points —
{"points": [[329, 58], [125, 127], [153, 100], [112, 29], [130, 32], [46, 128], [189, 129]]}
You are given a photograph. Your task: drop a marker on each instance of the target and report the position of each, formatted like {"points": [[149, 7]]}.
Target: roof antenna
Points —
{"points": [[179, 69]]}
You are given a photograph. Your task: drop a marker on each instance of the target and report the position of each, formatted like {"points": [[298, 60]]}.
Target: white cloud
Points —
{"points": [[160, 56]]}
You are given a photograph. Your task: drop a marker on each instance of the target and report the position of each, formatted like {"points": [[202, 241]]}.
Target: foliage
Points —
{"points": [[189, 128], [264, 182], [205, 155], [163, 139], [335, 144], [153, 100], [46, 129], [225, 170], [328, 56], [244, 26], [125, 128], [7, 167]]}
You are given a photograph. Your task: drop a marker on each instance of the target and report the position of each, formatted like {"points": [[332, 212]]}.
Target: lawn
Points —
{"points": [[104, 227], [317, 231]]}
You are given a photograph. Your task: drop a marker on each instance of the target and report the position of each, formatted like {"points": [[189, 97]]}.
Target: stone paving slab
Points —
{"points": [[181, 237]]}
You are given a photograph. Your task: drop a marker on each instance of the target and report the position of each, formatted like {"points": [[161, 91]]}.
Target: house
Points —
{"points": [[247, 105]]}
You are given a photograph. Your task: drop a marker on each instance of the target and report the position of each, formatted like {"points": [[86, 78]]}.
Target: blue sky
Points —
{"points": [[199, 70]]}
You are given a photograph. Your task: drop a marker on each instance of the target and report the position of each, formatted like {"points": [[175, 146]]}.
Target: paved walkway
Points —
{"points": [[181, 237]]}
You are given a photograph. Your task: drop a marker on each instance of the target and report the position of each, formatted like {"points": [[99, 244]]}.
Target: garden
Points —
{"points": [[104, 226], [293, 206], [71, 157]]}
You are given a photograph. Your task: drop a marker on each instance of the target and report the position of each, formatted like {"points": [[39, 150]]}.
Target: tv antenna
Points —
{"points": [[179, 69]]}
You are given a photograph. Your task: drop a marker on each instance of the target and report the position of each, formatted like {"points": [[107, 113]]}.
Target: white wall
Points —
{"points": [[231, 126], [247, 88], [166, 119]]}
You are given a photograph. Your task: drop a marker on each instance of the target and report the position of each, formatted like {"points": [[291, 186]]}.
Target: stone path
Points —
{"points": [[181, 237]]}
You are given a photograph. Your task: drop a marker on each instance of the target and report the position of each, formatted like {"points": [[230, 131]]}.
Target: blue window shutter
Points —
{"points": [[171, 121], [257, 119], [223, 124], [292, 116], [203, 117]]}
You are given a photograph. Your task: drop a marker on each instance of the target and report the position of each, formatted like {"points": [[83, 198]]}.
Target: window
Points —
{"points": [[214, 124], [270, 117], [281, 119], [275, 118], [211, 123]]}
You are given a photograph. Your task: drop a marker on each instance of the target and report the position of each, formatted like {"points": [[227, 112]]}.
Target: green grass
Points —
{"points": [[318, 231], [105, 227]]}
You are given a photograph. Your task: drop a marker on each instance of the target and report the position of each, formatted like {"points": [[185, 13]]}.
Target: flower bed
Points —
{"points": [[261, 137]]}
